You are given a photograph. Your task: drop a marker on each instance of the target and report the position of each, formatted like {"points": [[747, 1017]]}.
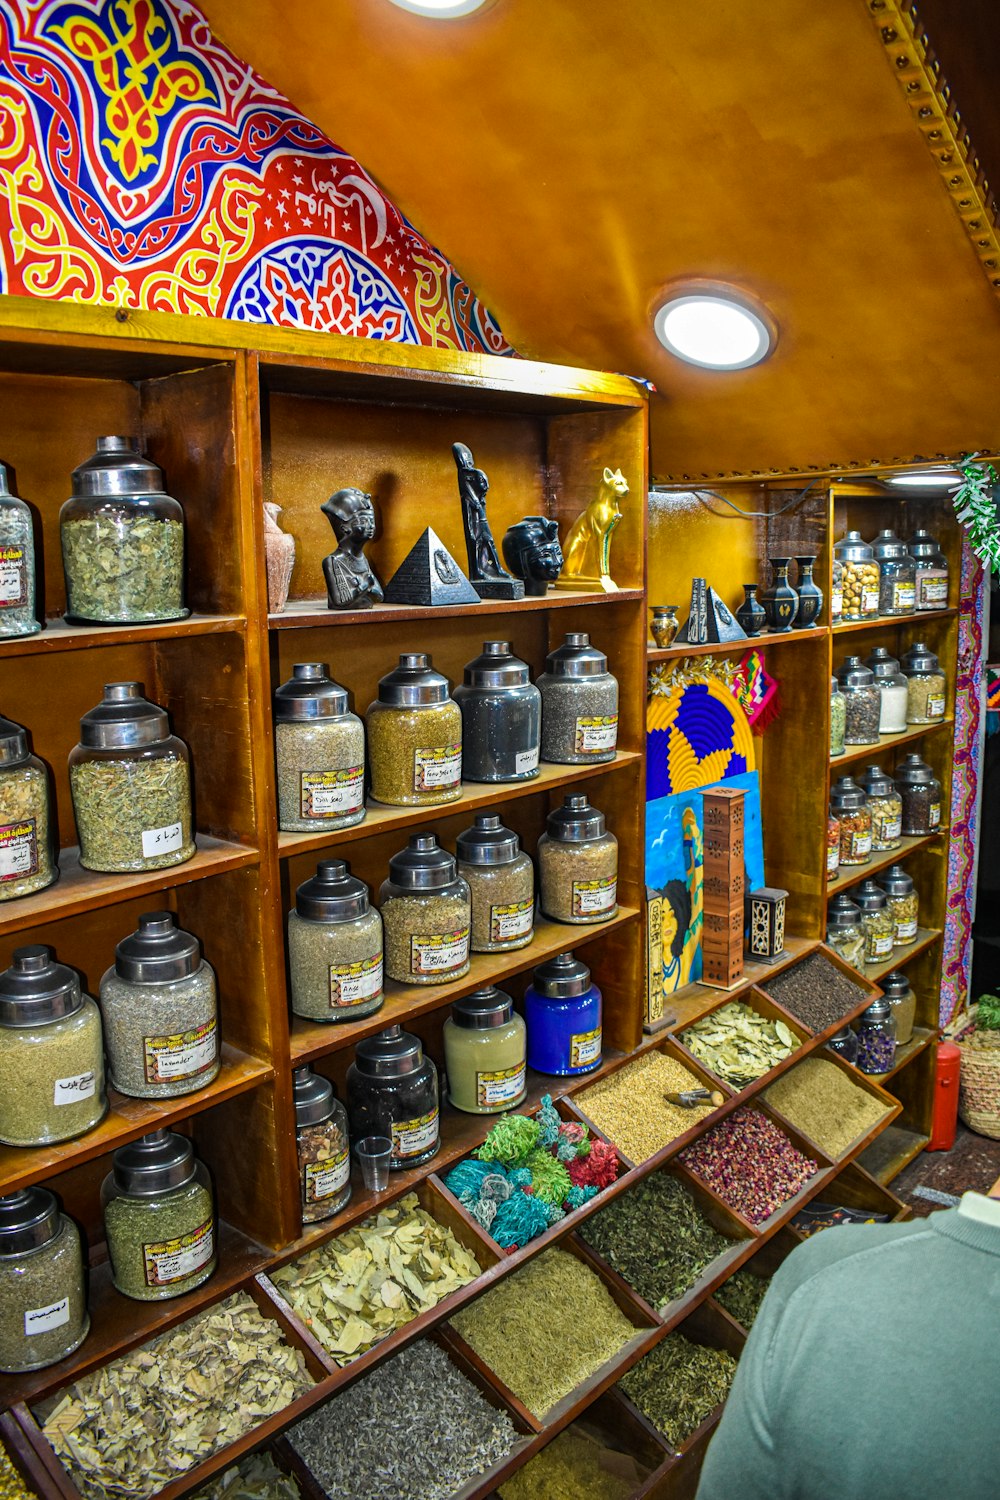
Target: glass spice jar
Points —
{"points": [[860, 578], [484, 1053], [51, 1052], [335, 958], [845, 1044], [898, 573], [849, 805], [501, 717], [502, 884], [904, 904], [837, 592], [925, 685], [894, 689], [876, 921], [392, 1090], [415, 737], [427, 911], [838, 719], [832, 846], [122, 540], [562, 1011], [862, 702], [876, 1038], [43, 1307], [932, 571], [844, 931], [897, 990], [17, 564], [158, 1002], [578, 864], [159, 1218], [131, 785], [579, 704], [886, 808], [322, 1143], [921, 794], [320, 753], [27, 817]]}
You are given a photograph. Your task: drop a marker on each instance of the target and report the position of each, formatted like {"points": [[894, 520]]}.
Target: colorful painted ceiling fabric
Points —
{"points": [[142, 165]]}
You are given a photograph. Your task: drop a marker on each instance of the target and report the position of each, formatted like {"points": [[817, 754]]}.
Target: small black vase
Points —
{"points": [[780, 601], [751, 614], [810, 594]]}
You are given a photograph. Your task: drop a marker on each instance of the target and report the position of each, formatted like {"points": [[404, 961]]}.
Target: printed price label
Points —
{"points": [[594, 736], [75, 1089], [13, 577], [508, 923], [41, 1319], [935, 706], [324, 794], [414, 1137], [497, 1090], [591, 897], [906, 931], [182, 1055], [325, 1178], [436, 770], [881, 946], [832, 859], [584, 1048], [869, 601], [887, 830], [353, 984], [174, 1260], [933, 593], [935, 814], [161, 840], [904, 596], [18, 850], [526, 760], [836, 602], [861, 844], [439, 953]]}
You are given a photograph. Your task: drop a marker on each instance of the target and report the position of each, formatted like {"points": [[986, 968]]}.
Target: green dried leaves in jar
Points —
{"points": [[159, 1218], [27, 821], [427, 913], [43, 1310], [578, 864], [17, 564], [320, 750], [335, 943], [415, 737]]}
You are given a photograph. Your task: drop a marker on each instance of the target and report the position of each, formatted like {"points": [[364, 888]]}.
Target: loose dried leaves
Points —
{"points": [[629, 1108], [361, 1286], [738, 1044], [133, 1426], [679, 1384], [124, 567], [741, 1295], [257, 1477], [575, 1466]]}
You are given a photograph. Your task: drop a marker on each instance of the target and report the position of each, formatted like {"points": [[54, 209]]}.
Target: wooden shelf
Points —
{"points": [[58, 635], [300, 613], [689, 1004], [889, 622], [475, 796], [926, 936], [921, 1039], [727, 648], [894, 1149], [885, 742], [854, 874]]}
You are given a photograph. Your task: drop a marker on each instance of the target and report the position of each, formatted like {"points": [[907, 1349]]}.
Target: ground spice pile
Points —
{"points": [[12, 1486], [546, 1329], [575, 1466], [749, 1163], [815, 992], [362, 1285], [629, 1108], [656, 1237], [257, 1477], [741, 1295], [826, 1104], [413, 1429], [679, 1384]]}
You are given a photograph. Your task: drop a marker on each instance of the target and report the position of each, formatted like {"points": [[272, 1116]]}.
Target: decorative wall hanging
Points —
{"points": [[694, 737]]}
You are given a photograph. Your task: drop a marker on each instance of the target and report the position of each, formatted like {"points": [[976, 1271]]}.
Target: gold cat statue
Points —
{"points": [[587, 549]]}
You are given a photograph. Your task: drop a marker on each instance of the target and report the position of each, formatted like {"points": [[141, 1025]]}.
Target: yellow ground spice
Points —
{"points": [[630, 1109], [825, 1103]]}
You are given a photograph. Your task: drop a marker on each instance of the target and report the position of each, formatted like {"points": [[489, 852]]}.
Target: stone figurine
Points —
{"points": [[532, 552], [588, 546], [350, 580], [485, 573], [279, 557]]}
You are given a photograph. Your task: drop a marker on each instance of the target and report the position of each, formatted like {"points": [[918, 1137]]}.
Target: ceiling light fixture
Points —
{"points": [[441, 10], [925, 479], [714, 327]]}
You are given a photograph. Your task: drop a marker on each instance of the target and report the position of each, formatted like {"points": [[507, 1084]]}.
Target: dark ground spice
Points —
{"points": [[815, 992]]}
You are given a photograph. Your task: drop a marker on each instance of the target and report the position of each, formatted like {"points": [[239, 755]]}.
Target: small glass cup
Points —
{"points": [[374, 1153]]}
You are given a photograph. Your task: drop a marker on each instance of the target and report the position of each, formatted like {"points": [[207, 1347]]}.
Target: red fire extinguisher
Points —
{"points": [[944, 1121]]}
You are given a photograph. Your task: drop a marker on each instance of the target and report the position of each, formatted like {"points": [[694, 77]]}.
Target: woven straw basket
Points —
{"points": [[979, 1077]]}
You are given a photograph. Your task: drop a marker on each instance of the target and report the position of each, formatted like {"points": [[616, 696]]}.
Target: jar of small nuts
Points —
{"points": [[849, 805], [860, 578], [427, 911], [415, 737], [904, 904], [925, 684], [578, 864], [320, 753], [862, 702], [886, 807], [502, 881]]}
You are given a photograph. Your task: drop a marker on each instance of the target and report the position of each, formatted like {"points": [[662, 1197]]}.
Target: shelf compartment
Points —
{"points": [[864, 981], [728, 648], [921, 1039], [894, 1149], [868, 1085], [854, 874], [926, 937], [762, 1003], [854, 1187], [690, 1003], [59, 635], [890, 622], [910, 736], [300, 613]]}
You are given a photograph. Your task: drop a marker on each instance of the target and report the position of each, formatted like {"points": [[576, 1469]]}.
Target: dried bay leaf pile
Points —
{"points": [[738, 1044], [362, 1285], [256, 1477]]}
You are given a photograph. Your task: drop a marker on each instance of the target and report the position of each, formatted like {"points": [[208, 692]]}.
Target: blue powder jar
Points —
{"points": [[562, 1010]]}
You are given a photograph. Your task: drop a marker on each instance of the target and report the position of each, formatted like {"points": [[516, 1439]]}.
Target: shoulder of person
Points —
{"points": [[831, 1247]]}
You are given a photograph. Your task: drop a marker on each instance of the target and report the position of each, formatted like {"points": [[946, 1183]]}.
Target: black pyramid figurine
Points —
{"points": [[429, 574], [485, 573], [709, 619]]}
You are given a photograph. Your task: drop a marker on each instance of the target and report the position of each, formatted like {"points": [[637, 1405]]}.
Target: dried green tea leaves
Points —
{"points": [[546, 1329], [414, 1428], [825, 1103], [575, 1466], [679, 1384], [131, 1427], [629, 1108], [124, 567], [364, 1284], [741, 1295], [256, 1477], [126, 809], [12, 1486], [738, 1044]]}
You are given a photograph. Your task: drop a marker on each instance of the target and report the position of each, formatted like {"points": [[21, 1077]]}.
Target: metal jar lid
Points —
{"points": [[487, 842], [423, 865], [882, 664], [895, 986], [483, 1009], [852, 673], [919, 661], [840, 1036], [28, 1220], [888, 547], [847, 796], [117, 468], [878, 783], [924, 548], [576, 657], [852, 547], [158, 952], [155, 1163], [314, 1098], [561, 977], [895, 881], [36, 989], [912, 771], [869, 896], [842, 913], [13, 743], [333, 894], [310, 693], [576, 822], [390, 1054], [879, 1010], [498, 667], [414, 683], [123, 718]]}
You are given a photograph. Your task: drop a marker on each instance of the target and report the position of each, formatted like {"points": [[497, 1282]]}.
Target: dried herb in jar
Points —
{"points": [[27, 827], [678, 1384], [123, 568]]}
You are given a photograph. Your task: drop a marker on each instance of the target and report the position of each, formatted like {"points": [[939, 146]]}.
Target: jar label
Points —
{"points": [[596, 736], [436, 770], [935, 706], [593, 896], [584, 1048], [414, 1137], [879, 946], [72, 1090], [526, 760], [185, 1054], [161, 840], [904, 595], [933, 592], [837, 602], [18, 849], [353, 984], [174, 1260], [934, 814], [869, 601], [327, 793], [508, 923], [439, 953], [859, 844], [885, 831], [41, 1319], [323, 1179], [13, 577], [505, 1086], [906, 931], [832, 859]]}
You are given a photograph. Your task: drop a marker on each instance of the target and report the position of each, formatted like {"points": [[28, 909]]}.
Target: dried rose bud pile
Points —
{"points": [[749, 1163]]}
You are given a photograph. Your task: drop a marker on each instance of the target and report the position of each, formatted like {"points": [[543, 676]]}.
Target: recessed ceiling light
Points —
{"points": [[714, 329], [925, 479], [443, 10]]}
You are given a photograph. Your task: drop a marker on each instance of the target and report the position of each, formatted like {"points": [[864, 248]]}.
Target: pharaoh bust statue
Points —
{"points": [[350, 580]]}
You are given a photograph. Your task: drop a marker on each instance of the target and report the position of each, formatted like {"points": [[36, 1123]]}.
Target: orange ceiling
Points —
{"points": [[571, 157]]}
